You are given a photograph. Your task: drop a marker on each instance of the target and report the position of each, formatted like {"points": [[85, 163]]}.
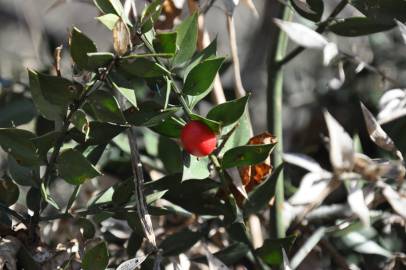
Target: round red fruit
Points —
{"points": [[198, 139]]}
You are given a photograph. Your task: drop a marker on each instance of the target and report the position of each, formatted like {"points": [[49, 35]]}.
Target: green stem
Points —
{"points": [[275, 93]]}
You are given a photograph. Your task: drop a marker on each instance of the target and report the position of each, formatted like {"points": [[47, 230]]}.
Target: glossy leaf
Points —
{"points": [[45, 194], [246, 155], [186, 39], [271, 251], [179, 242], [58, 91], [165, 42], [80, 121], [357, 26], [169, 128], [200, 79], [215, 126], [385, 11], [105, 107], [309, 9], [17, 143], [149, 115], [86, 227], [24, 176], [125, 88], [195, 168], [74, 168], [45, 142], [44, 107], [109, 6], [229, 112], [142, 67], [80, 46], [96, 258], [99, 59]]}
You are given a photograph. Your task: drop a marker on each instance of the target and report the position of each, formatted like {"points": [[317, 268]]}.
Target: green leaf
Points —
{"points": [[246, 155], [99, 59], [229, 112], [80, 46], [213, 125], [195, 168], [80, 121], [150, 114], [357, 26], [16, 110], [208, 52], [261, 195], [170, 155], [384, 11], [75, 168], [24, 176], [105, 107], [271, 250], [125, 88], [240, 136], [45, 142], [186, 39], [165, 42], [109, 20], [179, 242], [8, 192], [17, 143], [134, 244], [58, 91], [44, 107], [33, 199], [200, 79], [123, 192], [230, 255], [142, 67], [198, 203], [96, 258], [309, 9], [169, 128], [109, 6], [47, 196], [101, 133], [150, 14], [238, 232], [86, 227]]}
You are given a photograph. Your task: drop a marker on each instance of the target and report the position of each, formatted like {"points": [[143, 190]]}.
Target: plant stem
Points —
{"points": [[321, 28], [275, 89]]}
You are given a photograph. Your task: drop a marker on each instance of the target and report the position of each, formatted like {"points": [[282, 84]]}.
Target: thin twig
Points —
{"points": [[139, 188], [57, 57], [239, 88]]}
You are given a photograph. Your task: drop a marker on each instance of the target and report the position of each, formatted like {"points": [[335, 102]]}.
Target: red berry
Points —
{"points": [[198, 139]]}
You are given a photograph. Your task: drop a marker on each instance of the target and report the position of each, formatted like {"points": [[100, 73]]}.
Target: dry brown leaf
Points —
{"points": [[121, 38], [254, 175]]}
